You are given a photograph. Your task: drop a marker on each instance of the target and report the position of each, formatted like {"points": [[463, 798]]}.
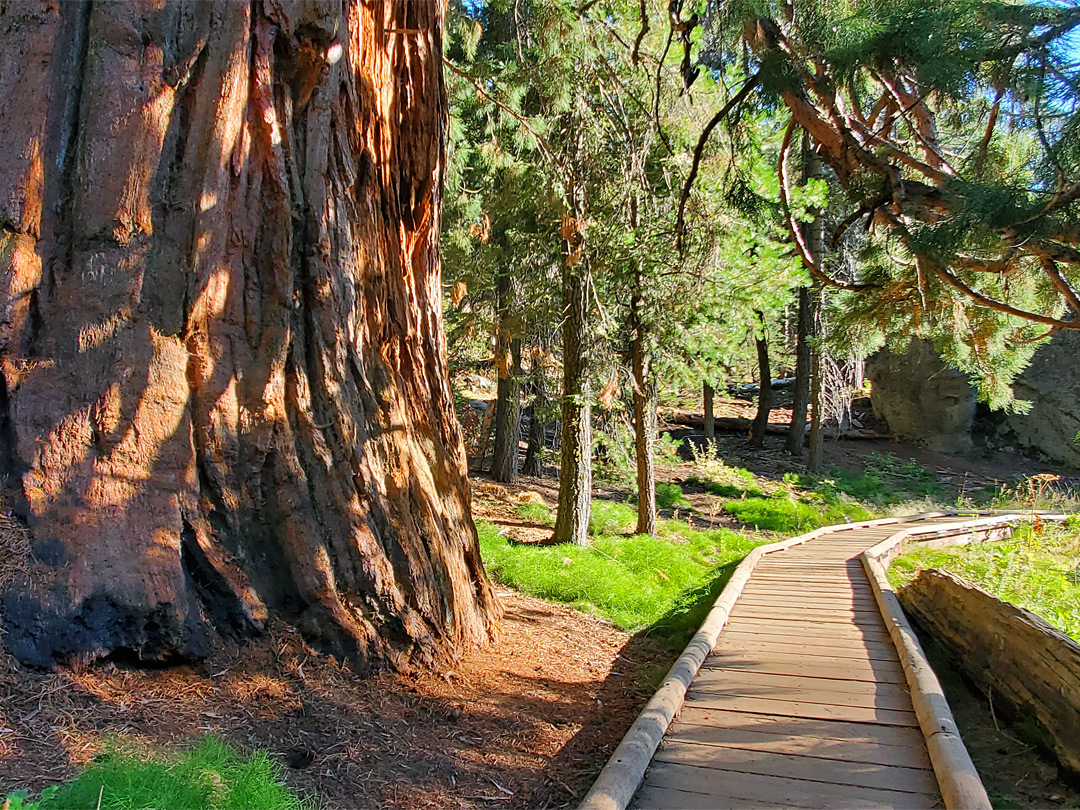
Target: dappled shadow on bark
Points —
{"points": [[224, 377]]}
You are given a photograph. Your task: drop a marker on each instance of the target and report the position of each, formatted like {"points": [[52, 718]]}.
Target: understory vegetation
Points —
{"points": [[209, 776], [664, 584], [1038, 568]]}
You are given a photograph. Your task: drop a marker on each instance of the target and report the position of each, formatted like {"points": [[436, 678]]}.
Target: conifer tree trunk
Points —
{"points": [[575, 462], [225, 391], [765, 397], [504, 454], [815, 454], [801, 391], [807, 359], [644, 398], [537, 418], [710, 417]]}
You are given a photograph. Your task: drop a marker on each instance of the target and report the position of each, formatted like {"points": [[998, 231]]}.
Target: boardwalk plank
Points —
{"points": [[809, 630], [803, 702], [805, 612], [807, 666], [783, 604], [739, 788], [754, 642], [735, 684], [802, 708], [652, 798], [854, 773], [808, 727], [761, 739], [716, 677]]}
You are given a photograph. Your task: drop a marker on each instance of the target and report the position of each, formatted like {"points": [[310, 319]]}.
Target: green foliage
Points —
{"points": [[637, 582], [885, 481], [611, 517], [210, 776], [1039, 572], [536, 513], [718, 478], [670, 496], [790, 514]]}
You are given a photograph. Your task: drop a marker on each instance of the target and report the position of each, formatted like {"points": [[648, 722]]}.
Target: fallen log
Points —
{"points": [[738, 424], [1028, 668]]}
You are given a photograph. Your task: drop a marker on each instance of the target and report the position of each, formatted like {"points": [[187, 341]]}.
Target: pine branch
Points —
{"points": [[699, 151], [542, 142], [805, 253]]}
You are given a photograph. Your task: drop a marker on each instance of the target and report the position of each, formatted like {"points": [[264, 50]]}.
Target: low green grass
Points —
{"points": [[884, 481], [662, 585], [791, 513], [802, 503], [209, 776], [536, 513], [670, 496], [1039, 572]]}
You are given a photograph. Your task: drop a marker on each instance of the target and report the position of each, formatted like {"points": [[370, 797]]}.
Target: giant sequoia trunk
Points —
{"points": [[224, 386]]}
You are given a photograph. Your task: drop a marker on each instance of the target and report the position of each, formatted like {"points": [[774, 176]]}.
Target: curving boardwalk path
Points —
{"points": [[802, 702]]}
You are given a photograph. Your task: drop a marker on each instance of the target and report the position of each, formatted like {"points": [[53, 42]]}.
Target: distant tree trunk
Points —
{"points": [[764, 406], [710, 417], [801, 392], [504, 455], [537, 418], [225, 390], [644, 397], [575, 467], [816, 450], [808, 351]]}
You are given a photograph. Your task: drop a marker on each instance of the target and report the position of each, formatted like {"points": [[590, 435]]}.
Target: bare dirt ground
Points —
{"points": [[959, 475], [524, 723]]}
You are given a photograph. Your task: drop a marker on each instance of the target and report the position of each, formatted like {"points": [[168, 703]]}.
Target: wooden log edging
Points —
{"points": [[621, 777], [961, 786]]}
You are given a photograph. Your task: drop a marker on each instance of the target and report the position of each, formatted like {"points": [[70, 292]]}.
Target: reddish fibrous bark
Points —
{"points": [[225, 390]]}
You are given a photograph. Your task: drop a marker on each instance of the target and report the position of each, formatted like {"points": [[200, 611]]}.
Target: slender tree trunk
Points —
{"points": [[710, 417], [814, 233], [816, 450], [575, 468], [537, 418], [504, 455], [644, 397], [765, 394], [225, 389], [801, 393]]}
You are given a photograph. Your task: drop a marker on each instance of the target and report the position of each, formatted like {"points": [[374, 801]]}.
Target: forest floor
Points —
{"points": [[526, 722]]}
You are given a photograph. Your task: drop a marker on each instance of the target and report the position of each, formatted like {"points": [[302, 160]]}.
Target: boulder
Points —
{"points": [[921, 399], [1052, 385]]}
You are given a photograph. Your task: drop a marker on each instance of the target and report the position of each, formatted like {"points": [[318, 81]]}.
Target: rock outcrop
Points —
{"points": [[921, 399], [1052, 385]]}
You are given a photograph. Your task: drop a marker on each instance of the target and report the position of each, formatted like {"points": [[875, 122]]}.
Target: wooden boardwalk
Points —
{"points": [[803, 702]]}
